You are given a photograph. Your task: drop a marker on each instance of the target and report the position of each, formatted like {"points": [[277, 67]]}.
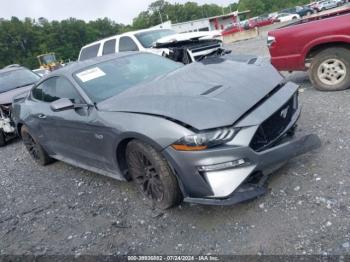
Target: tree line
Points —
{"points": [[21, 41]]}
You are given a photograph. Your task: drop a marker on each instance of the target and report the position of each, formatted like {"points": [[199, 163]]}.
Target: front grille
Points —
{"points": [[275, 126]]}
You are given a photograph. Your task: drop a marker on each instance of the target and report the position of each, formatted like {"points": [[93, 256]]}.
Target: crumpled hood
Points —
{"points": [[188, 36], [7, 97], [203, 96]]}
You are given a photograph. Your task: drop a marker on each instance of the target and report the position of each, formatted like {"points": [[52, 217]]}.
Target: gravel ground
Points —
{"points": [[60, 209]]}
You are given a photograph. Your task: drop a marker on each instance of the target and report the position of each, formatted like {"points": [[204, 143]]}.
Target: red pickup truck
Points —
{"points": [[319, 44]]}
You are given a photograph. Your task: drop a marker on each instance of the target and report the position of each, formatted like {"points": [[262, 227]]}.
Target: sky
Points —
{"points": [[120, 11]]}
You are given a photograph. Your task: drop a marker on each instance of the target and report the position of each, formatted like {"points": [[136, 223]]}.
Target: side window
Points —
{"points": [[49, 90], [109, 47], [56, 88], [65, 89], [89, 52], [41, 91], [127, 44], [37, 92]]}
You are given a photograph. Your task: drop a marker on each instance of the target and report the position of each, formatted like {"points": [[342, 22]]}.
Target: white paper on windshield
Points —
{"points": [[90, 74]]}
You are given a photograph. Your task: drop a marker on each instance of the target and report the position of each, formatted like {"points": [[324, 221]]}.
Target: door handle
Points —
{"points": [[41, 116]]}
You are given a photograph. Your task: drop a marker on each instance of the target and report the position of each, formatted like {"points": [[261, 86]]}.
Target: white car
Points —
{"points": [[328, 4], [185, 48], [41, 71], [285, 17]]}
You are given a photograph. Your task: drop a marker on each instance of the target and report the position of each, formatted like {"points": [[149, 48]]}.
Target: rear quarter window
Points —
{"points": [[89, 52]]}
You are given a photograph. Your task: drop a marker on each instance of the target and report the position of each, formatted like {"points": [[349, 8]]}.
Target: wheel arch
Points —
{"points": [[121, 155], [315, 49], [121, 149]]}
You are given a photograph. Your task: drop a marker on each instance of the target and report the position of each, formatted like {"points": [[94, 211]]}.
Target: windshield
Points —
{"points": [[149, 37], [107, 79], [17, 78]]}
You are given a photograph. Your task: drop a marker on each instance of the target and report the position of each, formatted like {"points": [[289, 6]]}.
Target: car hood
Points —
{"points": [[7, 97], [203, 96], [188, 36]]}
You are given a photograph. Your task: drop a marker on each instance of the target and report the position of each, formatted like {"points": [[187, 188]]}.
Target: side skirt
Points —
{"points": [[89, 168]]}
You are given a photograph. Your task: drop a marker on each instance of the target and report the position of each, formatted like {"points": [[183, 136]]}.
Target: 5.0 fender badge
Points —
{"points": [[98, 136]]}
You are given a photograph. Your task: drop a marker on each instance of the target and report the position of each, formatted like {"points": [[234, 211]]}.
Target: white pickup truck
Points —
{"points": [[185, 48]]}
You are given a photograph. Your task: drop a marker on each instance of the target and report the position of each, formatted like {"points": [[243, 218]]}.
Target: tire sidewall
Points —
{"points": [[341, 54]]}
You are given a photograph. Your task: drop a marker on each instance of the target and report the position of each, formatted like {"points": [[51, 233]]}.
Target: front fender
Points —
{"points": [[155, 130]]}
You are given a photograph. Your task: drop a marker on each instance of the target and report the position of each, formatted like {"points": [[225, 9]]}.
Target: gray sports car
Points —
{"points": [[207, 132]]}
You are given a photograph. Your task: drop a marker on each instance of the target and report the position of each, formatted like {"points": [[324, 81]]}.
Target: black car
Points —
{"points": [[14, 81], [302, 11]]}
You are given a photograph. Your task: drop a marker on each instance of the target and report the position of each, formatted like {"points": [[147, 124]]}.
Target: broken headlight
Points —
{"points": [[206, 140]]}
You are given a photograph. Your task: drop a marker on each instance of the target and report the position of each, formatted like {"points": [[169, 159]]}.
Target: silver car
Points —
{"points": [[207, 132], [327, 4]]}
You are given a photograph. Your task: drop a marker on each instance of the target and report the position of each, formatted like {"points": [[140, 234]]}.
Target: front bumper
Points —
{"points": [[265, 163]]}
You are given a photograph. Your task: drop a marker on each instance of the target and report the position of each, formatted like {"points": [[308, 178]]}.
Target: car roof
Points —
{"points": [[124, 34], [12, 68]]}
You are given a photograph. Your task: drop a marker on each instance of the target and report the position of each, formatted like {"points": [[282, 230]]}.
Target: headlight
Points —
{"points": [[205, 140]]}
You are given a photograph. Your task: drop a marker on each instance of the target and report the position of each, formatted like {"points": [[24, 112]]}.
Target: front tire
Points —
{"points": [[2, 139], [36, 151], [152, 175], [330, 69]]}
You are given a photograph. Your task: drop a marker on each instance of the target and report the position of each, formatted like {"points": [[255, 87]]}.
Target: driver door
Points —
{"points": [[69, 133]]}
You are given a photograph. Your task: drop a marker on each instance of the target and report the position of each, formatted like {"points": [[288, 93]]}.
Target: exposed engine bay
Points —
{"points": [[192, 50], [6, 124]]}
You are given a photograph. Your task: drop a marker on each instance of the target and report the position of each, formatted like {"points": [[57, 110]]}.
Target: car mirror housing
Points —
{"points": [[61, 105]]}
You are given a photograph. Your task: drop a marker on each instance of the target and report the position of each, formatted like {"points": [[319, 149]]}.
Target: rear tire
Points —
{"points": [[330, 69], [152, 175], [36, 151], [2, 139]]}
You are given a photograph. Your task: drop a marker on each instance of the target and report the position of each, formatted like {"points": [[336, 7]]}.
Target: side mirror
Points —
{"points": [[61, 105]]}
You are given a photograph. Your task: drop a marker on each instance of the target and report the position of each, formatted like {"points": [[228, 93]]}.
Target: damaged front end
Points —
{"points": [[193, 50], [7, 127]]}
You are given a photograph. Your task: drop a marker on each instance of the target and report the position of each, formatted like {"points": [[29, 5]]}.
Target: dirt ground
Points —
{"points": [[60, 209]]}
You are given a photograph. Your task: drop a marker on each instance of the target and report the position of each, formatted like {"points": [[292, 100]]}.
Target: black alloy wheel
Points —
{"points": [[152, 175], [147, 177], [32, 146], [36, 151]]}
